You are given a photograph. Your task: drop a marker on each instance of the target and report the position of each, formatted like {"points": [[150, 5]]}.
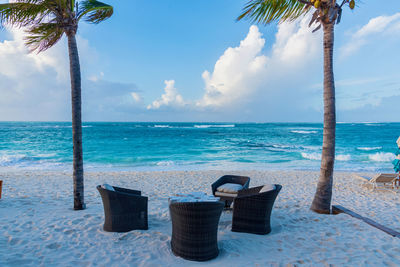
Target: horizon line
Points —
{"points": [[238, 122]]}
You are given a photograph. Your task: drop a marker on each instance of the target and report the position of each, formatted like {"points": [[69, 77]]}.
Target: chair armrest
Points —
{"points": [[250, 191], [127, 191], [247, 184]]}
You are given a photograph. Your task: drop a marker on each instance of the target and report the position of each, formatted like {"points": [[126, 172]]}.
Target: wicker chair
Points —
{"points": [[194, 229], [233, 179], [124, 209], [252, 210]]}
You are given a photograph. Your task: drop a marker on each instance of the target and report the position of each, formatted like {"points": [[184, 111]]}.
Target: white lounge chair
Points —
{"points": [[385, 180]]}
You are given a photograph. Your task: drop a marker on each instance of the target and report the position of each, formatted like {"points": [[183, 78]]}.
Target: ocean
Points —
{"points": [[150, 146]]}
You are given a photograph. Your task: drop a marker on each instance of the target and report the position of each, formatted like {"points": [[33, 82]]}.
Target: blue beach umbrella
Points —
{"points": [[396, 162]]}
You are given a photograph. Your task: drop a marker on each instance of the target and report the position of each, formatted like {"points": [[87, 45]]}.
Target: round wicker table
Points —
{"points": [[195, 227]]}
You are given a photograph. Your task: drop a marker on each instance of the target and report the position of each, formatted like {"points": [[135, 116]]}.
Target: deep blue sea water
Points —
{"points": [[196, 146]]}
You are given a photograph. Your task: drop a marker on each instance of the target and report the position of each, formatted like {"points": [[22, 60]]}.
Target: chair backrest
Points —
{"points": [[236, 179], [384, 178]]}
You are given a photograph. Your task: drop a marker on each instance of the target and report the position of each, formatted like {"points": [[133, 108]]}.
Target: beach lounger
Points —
{"points": [[252, 209], [384, 180], [124, 209], [228, 186]]}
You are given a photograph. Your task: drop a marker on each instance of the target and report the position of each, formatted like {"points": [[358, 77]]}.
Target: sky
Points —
{"points": [[175, 60]]}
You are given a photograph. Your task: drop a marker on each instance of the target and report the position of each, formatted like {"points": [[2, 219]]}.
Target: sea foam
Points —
{"points": [[165, 163], [369, 148], [381, 157], [215, 126], [312, 156], [303, 132], [6, 160], [317, 156]]}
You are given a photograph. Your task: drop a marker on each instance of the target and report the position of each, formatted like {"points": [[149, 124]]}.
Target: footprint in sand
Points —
{"points": [[69, 232], [77, 221], [13, 241], [164, 238], [53, 246]]}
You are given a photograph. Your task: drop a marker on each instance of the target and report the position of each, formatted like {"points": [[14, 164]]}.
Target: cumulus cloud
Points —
{"points": [[379, 26], [236, 73], [171, 97], [244, 76], [37, 86], [33, 85], [244, 81]]}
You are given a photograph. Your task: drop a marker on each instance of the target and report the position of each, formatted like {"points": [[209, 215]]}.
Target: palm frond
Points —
{"points": [[43, 36], [94, 11], [266, 11], [23, 13], [46, 21]]}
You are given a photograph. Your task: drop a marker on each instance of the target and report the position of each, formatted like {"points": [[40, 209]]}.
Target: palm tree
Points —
{"points": [[45, 22], [326, 14]]}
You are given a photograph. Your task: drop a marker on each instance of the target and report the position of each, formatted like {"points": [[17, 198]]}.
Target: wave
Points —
{"points": [[382, 157], [8, 160], [318, 148], [282, 146], [267, 147], [369, 148], [343, 157], [317, 156], [215, 126], [165, 163], [303, 132], [311, 156], [46, 155], [162, 126], [52, 126]]}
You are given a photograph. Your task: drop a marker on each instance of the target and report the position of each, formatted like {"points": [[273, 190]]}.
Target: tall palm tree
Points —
{"points": [[325, 14], [45, 22]]}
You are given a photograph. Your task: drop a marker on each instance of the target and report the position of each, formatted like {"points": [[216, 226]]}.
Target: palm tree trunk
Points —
{"points": [[76, 102], [323, 195]]}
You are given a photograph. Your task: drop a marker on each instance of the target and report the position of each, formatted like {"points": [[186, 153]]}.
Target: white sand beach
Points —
{"points": [[39, 228]]}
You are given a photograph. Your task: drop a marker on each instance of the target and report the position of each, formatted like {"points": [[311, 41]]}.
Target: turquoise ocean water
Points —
{"points": [[196, 146]]}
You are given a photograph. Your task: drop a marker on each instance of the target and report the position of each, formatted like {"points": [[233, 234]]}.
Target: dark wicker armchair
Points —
{"points": [[194, 229], [124, 209], [252, 210], [244, 181]]}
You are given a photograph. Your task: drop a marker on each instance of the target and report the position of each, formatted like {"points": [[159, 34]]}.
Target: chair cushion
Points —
{"points": [[230, 188], [223, 194], [193, 197], [267, 187], [108, 187]]}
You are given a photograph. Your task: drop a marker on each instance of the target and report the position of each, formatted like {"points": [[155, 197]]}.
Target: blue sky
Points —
{"points": [[175, 60]]}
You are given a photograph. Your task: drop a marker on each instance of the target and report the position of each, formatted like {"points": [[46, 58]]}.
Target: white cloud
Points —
{"points": [[170, 98], [236, 73], [245, 82], [136, 96], [244, 75], [33, 85], [382, 25], [37, 86]]}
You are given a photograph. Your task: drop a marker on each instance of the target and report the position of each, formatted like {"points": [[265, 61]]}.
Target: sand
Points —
{"points": [[39, 228]]}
